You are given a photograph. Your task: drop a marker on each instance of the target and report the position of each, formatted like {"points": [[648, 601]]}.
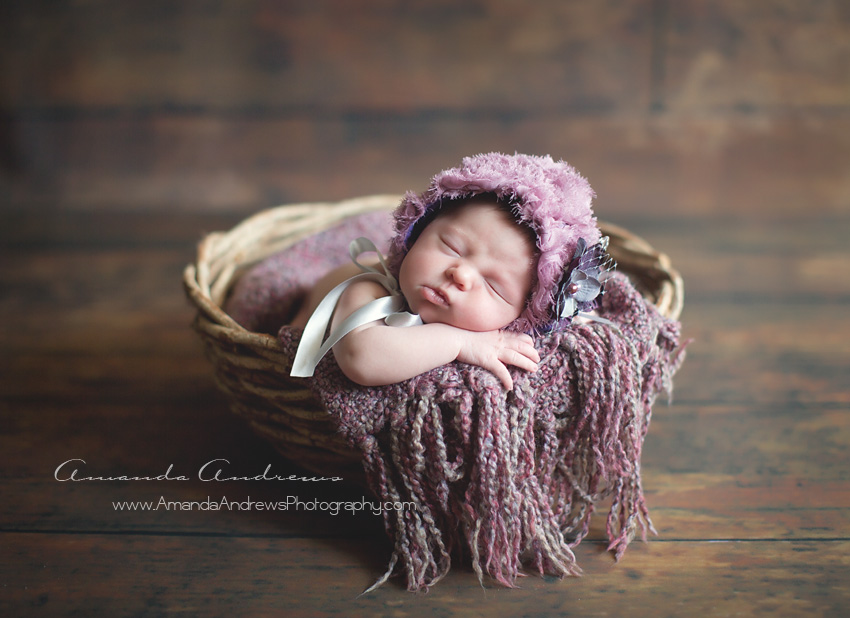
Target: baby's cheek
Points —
{"points": [[478, 318]]}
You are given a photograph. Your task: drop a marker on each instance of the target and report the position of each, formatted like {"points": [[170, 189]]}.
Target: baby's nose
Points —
{"points": [[461, 276]]}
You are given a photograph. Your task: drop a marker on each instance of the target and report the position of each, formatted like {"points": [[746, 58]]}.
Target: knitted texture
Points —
{"points": [[512, 478], [548, 196], [266, 296]]}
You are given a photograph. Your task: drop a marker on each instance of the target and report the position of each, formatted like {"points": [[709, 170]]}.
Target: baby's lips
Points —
{"points": [[435, 296]]}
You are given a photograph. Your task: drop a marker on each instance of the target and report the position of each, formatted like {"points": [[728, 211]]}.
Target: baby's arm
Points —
{"points": [[376, 354]]}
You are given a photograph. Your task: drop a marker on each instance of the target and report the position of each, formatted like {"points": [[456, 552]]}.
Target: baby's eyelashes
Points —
{"points": [[449, 246], [495, 289]]}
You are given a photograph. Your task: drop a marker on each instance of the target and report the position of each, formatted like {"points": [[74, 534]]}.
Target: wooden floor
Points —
{"points": [[720, 131], [746, 472]]}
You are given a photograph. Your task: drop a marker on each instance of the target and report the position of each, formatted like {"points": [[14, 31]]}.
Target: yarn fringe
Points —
{"points": [[507, 479]]}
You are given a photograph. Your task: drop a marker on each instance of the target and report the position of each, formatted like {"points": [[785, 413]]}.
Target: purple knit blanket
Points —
{"points": [[501, 479]]}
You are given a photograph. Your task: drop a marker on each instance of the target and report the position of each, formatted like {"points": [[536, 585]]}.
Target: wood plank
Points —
{"points": [[317, 56], [796, 259], [639, 164], [747, 444], [256, 55], [718, 507], [31, 233], [730, 54], [798, 365], [121, 575]]}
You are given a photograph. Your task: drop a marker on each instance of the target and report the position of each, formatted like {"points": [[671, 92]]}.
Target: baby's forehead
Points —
{"points": [[509, 243], [470, 215]]}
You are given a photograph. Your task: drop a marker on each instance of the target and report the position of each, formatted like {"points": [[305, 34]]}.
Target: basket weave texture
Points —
{"points": [[252, 369]]}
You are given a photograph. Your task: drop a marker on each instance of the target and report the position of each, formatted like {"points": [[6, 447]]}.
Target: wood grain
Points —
{"points": [[247, 576], [244, 105], [656, 165], [259, 55]]}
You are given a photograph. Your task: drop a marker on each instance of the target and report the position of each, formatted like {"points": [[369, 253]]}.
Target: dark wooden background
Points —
{"points": [[719, 130]]}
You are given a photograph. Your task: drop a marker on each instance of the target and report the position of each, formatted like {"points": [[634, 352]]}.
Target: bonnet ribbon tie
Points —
{"points": [[311, 349]]}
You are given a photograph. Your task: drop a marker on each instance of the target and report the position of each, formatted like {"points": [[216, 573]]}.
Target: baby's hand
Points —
{"points": [[495, 350]]}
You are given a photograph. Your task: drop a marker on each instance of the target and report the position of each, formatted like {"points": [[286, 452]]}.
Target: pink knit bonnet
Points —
{"points": [[548, 196]]}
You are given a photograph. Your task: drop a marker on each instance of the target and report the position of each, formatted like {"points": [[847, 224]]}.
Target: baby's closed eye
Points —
{"points": [[496, 288], [451, 246]]}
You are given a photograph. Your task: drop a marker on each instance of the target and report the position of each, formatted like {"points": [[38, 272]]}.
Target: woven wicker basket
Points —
{"points": [[249, 366]]}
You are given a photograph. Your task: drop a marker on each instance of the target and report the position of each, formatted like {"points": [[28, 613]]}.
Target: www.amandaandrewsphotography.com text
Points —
{"points": [[218, 470]]}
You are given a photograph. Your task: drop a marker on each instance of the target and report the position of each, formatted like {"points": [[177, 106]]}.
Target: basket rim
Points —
{"points": [[208, 279]]}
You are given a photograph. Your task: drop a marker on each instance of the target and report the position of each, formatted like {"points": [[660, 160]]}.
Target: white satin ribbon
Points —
{"points": [[311, 348]]}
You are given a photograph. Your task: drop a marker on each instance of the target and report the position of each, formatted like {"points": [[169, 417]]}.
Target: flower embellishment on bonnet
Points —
{"points": [[584, 281], [548, 196]]}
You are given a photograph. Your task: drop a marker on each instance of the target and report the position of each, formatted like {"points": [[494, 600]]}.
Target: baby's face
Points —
{"points": [[470, 268]]}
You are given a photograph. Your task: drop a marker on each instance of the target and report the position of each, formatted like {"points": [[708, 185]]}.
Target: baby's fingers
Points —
{"points": [[501, 372], [524, 345], [529, 350], [522, 359]]}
